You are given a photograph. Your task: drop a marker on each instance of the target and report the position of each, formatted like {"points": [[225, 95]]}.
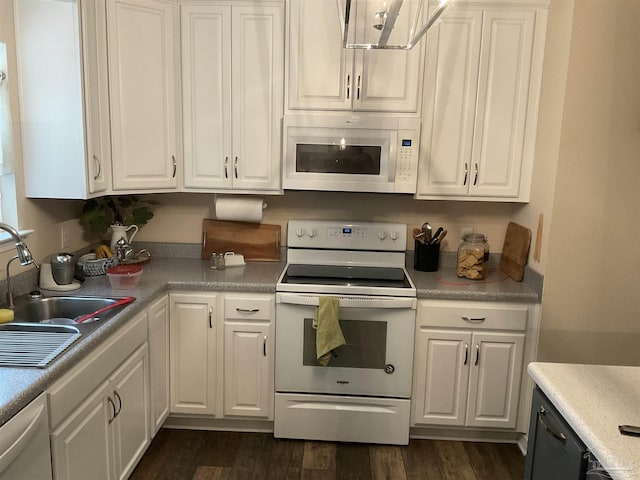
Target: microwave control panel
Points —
{"points": [[407, 162]]}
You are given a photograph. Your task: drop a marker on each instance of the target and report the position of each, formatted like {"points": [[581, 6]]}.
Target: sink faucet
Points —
{"points": [[24, 255]]}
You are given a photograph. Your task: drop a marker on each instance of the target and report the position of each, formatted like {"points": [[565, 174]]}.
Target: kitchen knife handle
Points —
{"points": [[632, 430]]}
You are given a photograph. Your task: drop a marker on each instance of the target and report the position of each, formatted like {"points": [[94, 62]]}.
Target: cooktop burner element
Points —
{"points": [[361, 258]]}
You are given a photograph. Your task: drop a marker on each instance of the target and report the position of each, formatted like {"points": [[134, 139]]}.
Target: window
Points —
{"points": [[8, 207]]}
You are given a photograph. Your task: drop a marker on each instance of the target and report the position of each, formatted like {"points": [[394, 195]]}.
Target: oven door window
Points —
{"points": [[340, 159], [365, 348]]}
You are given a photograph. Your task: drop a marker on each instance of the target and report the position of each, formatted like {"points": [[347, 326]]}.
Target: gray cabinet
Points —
{"points": [[554, 451]]}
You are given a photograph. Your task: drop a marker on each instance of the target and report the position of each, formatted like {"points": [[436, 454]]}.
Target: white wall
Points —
{"points": [[186, 211], [554, 79], [591, 304]]}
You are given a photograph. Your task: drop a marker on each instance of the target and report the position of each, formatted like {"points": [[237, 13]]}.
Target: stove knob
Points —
{"points": [[394, 235], [382, 235], [299, 232], [312, 232]]}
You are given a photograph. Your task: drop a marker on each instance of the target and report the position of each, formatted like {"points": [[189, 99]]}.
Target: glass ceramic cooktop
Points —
{"points": [[346, 276]]}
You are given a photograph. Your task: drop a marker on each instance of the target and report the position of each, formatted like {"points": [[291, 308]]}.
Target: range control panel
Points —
{"points": [[347, 236]]}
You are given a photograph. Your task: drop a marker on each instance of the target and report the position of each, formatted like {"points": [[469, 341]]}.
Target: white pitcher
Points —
{"points": [[120, 231]]}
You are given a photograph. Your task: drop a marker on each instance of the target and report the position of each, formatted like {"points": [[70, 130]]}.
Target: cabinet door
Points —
{"points": [[64, 109], [248, 381], [206, 95], [257, 79], [387, 80], [502, 107], [142, 79], [319, 69], [96, 95], [131, 429], [441, 377], [88, 426], [451, 82], [494, 383], [193, 353], [158, 327]]}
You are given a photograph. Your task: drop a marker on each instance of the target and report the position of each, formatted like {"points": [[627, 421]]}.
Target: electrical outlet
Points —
{"points": [[465, 230]]}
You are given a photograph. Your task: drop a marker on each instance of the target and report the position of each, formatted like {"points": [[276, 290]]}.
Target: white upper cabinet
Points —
{"points": [[322, 75], [63, 98], [480, 111], [143, 66], [232, 95]]}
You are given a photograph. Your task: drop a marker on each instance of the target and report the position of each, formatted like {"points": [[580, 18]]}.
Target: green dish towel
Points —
{"points": [[328, 332]]}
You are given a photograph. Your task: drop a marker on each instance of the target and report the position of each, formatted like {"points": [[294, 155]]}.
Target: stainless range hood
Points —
{"points": [[374, 25]]}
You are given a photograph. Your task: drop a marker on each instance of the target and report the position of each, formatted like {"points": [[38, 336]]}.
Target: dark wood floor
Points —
{"points": [[205, 455]]}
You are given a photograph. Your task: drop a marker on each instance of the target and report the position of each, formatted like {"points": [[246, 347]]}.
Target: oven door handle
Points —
{"points": [[349, 302]]}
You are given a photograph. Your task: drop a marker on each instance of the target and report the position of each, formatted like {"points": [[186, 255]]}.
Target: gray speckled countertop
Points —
{"points": [[594, 400], [18, 386]]}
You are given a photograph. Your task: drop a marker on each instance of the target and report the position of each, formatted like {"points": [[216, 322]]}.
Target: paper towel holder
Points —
{"points": [[239, 209]]}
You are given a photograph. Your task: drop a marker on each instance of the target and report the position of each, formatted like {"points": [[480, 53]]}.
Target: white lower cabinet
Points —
{"points": [[194, 326], [248, 355], [106, 435], [99, 411], [469, 361], [158, 331], [222, 368]]}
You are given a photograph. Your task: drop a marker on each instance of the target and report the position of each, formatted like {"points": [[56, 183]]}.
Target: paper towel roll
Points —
{"points": [[240, 209]]}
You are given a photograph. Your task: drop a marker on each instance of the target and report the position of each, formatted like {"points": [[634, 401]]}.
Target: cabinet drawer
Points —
{"points": [[249, 308], [476, 315]]}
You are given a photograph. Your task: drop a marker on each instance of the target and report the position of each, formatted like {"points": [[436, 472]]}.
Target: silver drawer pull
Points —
{"points": [[474, 319], [557, 435], [247, 310]]}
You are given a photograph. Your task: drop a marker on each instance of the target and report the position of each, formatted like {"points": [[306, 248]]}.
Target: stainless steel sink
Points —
{"points": [[62, 310], [44, 327]]}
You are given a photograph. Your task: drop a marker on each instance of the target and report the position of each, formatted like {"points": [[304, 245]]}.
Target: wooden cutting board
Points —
{"points": [[515, 251], [256, 241]]}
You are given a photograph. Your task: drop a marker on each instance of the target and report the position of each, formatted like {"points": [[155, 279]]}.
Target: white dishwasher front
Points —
{"points": [[25, 452]]}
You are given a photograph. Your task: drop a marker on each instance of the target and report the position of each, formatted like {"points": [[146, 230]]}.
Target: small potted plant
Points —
{"points": [[99, 214]]}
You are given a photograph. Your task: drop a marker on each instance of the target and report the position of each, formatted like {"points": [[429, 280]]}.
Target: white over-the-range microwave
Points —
{"points": [[350, 153]]}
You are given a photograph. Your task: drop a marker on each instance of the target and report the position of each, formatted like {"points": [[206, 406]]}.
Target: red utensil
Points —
{"points": [[119, 303]]}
